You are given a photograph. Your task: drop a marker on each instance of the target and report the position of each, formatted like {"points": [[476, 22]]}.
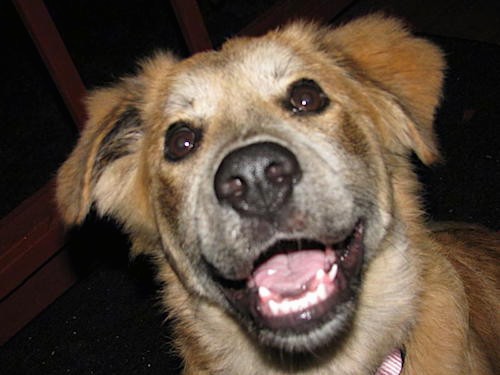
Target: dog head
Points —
{"points": [[271, 173]]}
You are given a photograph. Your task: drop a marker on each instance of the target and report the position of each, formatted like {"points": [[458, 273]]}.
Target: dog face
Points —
{"points": [[270, 175]]}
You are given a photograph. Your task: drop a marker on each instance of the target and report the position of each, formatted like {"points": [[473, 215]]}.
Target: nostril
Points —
{"points": [[276, 173], [231, 189], [283, 172]]}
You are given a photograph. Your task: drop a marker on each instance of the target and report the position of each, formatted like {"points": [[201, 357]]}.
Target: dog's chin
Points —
{"points": [[301, 293]]}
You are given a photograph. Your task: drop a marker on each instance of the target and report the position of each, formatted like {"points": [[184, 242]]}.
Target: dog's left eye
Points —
{"points": [[180, 141], [305, 96]]}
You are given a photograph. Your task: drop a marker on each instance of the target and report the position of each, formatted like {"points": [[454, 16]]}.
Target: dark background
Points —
{"points": [[110, 322]]}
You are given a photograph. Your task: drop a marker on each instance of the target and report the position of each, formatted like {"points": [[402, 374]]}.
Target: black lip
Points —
{"points": [[244, 297]]}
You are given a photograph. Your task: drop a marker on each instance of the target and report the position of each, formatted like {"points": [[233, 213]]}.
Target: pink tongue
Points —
{"points": [[287, 274]]}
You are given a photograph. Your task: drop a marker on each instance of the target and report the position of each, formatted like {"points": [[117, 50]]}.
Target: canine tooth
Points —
{"points": [[264, 292], [321, 292], [333, 272], [320, 275]]}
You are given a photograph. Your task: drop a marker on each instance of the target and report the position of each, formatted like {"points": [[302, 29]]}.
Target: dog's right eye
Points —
{"points": [[305, 96], [180, 141]]}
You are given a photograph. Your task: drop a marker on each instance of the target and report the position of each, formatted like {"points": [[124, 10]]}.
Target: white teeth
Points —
{"points": [[304, 303], [274, 307], [333, 272], [288, 305], [310, 298], [321, 291], [264, 293], [320, 275], [299, 305]]}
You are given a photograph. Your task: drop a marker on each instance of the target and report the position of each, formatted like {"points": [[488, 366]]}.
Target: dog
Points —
{"points": [[271, 183]]}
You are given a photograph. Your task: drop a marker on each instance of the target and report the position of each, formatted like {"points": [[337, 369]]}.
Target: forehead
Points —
{"points": [[251, 68]]}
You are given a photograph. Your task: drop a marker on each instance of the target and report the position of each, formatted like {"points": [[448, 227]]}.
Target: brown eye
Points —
{"points": [[180, 141], [307, 97]]}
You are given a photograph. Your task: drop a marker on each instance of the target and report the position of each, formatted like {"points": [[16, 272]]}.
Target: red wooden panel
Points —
{"points": [[55, 55], [192, 25], [35, 294], [31, 274], [30, 234]]}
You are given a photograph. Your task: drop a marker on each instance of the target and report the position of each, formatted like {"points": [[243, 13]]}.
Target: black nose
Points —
{"points": [[258, 179]]}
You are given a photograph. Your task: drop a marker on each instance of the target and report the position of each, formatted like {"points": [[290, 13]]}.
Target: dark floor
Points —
{"points": [[110, 321]]}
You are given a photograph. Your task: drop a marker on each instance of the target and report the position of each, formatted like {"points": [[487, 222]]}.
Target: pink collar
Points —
{"points": [[392, 365]]}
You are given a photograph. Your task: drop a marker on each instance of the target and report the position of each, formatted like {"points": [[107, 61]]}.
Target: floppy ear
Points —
{"points": [[106, 168], [408, 67], [103, 167]]}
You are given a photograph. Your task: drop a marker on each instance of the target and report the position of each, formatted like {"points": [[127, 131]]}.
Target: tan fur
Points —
{"points": [[433, 293]]}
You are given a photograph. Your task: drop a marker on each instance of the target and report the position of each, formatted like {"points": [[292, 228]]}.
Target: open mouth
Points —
{"points": [[297, 285]]}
